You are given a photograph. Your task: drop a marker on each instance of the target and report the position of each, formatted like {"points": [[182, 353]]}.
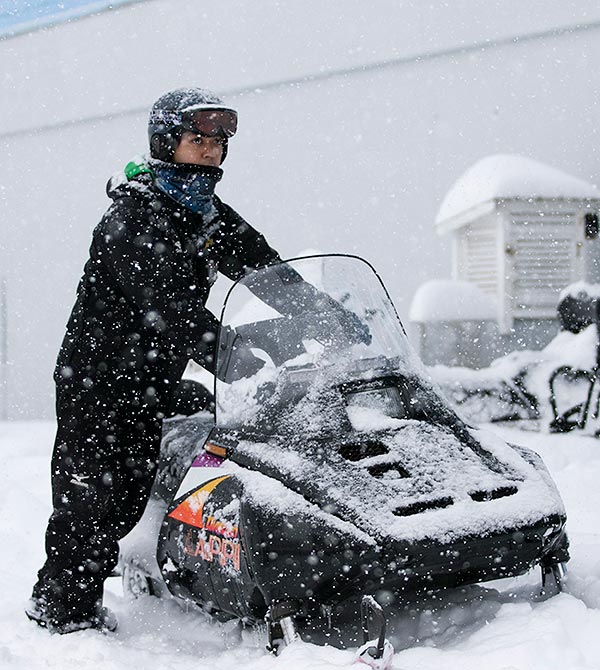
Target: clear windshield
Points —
{"points": [[294, 331]]}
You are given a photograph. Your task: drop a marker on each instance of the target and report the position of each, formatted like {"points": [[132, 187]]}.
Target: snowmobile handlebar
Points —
{"points": [[282, 339]]}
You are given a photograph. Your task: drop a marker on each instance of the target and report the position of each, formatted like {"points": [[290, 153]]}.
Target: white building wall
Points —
{"points": [[356, 162]]}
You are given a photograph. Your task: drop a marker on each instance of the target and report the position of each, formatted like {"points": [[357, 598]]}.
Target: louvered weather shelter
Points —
{"points": [[522, 231]]}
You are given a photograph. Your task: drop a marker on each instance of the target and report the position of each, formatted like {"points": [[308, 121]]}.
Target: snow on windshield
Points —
{"points": [[298, 327]]}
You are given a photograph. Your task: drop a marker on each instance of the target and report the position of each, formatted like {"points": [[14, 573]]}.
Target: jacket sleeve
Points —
{"points": [[244, 248], [247, 249], [285, 290], [149, 270]]}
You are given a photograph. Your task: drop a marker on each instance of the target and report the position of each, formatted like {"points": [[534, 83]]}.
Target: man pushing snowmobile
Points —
{"points": [[138, 318]]}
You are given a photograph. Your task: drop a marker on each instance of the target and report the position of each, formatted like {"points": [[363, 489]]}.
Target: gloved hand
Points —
{"points": [[235, 358], [355, 327], [341, 327]]}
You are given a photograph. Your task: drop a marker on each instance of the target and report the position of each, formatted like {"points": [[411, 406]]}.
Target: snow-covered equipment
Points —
{"points": [[342, 471], [556, 388], [578, 306], [580, 311], [454, 322]]}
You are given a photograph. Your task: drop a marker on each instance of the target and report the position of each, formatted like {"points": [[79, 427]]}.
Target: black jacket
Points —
{"points": [[140, 311]]}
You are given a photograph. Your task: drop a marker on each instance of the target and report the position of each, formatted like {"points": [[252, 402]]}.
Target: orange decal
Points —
{"points": [[190, 511], [223, 528]]}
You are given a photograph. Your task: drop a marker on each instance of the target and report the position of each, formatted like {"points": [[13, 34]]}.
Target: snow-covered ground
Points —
{"points": [[501, 626]]}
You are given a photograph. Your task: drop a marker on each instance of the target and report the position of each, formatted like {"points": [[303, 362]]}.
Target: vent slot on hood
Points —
{"points": [[494, 494], [423, 506], [379, 470], [356, 452]]}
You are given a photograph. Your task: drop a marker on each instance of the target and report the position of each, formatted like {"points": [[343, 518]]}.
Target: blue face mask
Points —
{"points": [[192, 186]]}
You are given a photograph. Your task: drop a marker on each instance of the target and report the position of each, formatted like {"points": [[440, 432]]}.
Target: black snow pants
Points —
{"points": [[103, 468]]}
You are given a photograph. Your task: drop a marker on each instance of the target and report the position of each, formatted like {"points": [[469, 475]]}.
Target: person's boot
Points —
{"points": [[101, 619], [65, 610]]}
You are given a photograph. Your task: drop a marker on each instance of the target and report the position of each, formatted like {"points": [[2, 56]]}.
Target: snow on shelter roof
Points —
{"points": [[451, 300], [510, 176]]}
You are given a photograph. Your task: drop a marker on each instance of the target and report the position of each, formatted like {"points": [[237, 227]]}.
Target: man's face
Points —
{"points": [[199, 150]]}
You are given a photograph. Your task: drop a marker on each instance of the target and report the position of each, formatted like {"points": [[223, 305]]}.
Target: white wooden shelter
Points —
{"points": [[521, 231]]}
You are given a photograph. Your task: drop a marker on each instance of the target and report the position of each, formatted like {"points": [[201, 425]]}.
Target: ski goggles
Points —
{"points": [[210, 122]]}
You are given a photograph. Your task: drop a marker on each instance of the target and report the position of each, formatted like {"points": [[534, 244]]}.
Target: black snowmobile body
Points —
{"points": [[341, 469]]}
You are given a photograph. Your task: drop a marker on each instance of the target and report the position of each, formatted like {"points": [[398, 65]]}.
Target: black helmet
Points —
{"points": [[194, 109]]}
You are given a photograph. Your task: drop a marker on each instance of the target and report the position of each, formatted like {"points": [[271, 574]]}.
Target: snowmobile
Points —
{"points": [[334, 471]]}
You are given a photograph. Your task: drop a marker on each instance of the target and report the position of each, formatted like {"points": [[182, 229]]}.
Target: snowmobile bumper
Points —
{"points": [[405, 567]]}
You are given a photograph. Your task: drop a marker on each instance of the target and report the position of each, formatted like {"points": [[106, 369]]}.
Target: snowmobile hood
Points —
{"points": [[353, 423], [421, 483]]}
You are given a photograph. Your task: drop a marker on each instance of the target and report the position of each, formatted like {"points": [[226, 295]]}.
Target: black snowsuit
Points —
{"points": [[139, 316]]}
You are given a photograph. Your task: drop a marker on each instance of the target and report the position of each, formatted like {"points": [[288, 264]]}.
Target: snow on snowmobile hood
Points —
{"points": [[350, 420], [437, 490]]}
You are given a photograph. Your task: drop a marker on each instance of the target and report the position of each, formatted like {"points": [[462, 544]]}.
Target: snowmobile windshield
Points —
{"points": [[293, 331]]}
